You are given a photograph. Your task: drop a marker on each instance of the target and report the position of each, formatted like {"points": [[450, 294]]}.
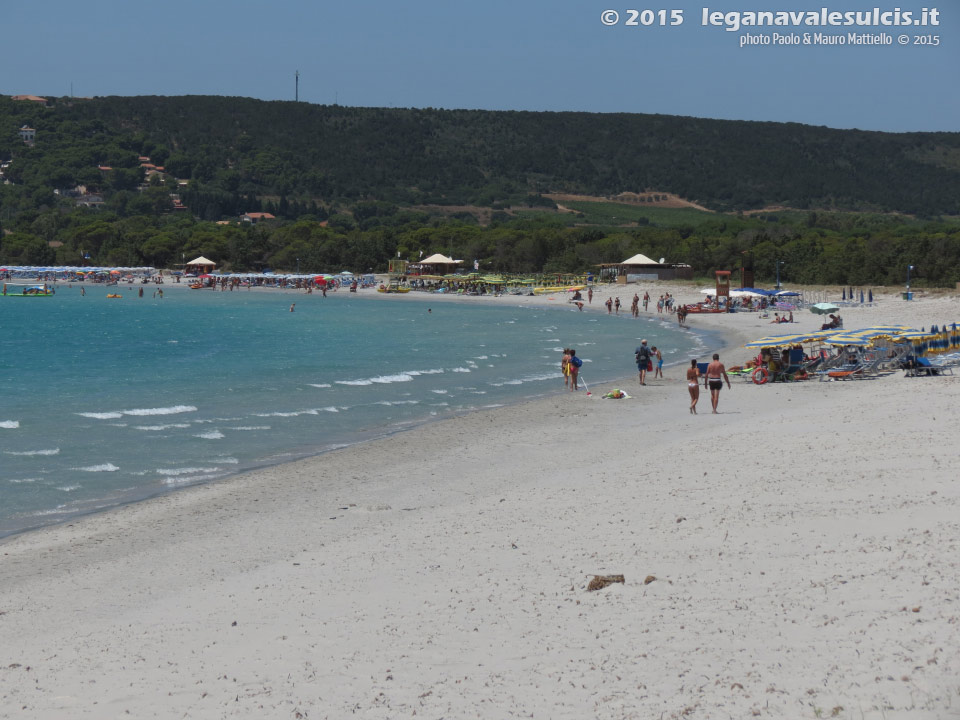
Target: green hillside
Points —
{"points": [[153, 179], [241, 147]]}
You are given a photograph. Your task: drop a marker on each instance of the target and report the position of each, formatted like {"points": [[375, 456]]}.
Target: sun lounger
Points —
{"points": [[926, 367], [850, 371]]}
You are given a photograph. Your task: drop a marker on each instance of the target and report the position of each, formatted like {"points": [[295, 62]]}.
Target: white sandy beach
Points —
{"points": [[805, 545]]}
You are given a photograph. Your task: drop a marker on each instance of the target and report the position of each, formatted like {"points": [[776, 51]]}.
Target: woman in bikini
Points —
{"points": [[693, 385]]}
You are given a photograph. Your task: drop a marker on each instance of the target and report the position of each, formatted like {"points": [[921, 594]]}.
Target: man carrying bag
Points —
{"points": [[643, 361]]}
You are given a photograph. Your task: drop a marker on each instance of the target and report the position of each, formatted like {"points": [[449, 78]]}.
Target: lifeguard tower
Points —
{"points": [[723, 286]]}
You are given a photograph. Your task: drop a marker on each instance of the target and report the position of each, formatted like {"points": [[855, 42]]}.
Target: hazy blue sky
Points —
{"points": [[494, 54]]}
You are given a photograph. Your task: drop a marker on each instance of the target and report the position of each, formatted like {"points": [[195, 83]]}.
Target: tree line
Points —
{"points": [[814, 248]]}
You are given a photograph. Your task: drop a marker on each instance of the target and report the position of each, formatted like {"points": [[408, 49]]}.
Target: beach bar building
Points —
{"points": [[200, 266], [436, 264], [639, 268]]}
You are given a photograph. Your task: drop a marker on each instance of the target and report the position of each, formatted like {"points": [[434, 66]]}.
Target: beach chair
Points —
{"points": [[792, 365], [846, 371], [927, 367]]}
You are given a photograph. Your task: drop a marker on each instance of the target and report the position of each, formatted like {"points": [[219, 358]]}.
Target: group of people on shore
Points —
{"points": [[713, 378], [650, 359], [666, 302]]}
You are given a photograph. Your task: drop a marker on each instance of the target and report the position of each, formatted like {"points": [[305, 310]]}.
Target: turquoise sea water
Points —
{"points": [[105, 401]]}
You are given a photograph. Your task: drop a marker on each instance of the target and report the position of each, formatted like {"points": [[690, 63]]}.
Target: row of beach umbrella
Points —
{"points": [[852, 296], [937, 340]]}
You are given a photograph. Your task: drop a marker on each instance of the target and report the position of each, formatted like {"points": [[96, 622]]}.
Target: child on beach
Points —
{"points": [[565, 366]]}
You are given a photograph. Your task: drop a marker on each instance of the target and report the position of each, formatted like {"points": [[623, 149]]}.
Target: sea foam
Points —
{"points": [[114, 414], [161, 427], [105, 467], [9, 424], [173, 472], [52, 451], [292, 413], [176, 409]]}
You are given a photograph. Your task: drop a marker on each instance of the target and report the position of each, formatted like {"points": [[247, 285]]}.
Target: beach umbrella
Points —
{"points": [[844, 296], [823, 308], [861, 297], [777, 341], [870, 295]]}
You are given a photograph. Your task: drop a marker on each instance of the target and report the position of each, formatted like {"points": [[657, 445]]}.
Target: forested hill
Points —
{"points": [[335, 155]]}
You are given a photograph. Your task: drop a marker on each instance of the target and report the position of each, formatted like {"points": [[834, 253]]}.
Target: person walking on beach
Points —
{"points": [[658, 367], [635, 307], [574, 366], [643, 361], [609, 305], [616, 304], [716, 374], [590, 295], [693, 385], [646, 300], [565, 366]]}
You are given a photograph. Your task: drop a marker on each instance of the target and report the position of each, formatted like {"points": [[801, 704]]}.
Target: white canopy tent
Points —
{"points": [[438, 259], [202, 261], [640, 259]]}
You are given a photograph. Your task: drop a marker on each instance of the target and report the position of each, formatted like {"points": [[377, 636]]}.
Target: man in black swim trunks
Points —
{"points": [[713, 379]]}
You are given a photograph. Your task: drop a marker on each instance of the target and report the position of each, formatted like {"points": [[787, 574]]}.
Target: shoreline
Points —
{"points": [[714, 337], [446, 571]]}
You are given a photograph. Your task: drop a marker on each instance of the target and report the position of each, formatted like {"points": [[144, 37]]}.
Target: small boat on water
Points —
{"points": [[32, 290]]}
